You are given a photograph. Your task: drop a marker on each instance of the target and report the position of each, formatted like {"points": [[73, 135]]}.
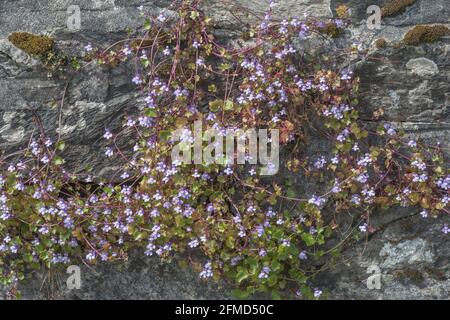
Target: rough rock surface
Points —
{"points": [[139, 278], [410, 83]]}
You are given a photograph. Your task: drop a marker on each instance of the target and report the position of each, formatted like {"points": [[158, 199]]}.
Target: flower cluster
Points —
{"points": [[258, 233]]}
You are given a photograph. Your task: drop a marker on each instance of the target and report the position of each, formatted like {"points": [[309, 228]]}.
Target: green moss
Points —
{"points": [[406, 225], [411, 274], [435, 273], [381, 43], [32, 44], [332, 30], [420, 34], [395, 7]]}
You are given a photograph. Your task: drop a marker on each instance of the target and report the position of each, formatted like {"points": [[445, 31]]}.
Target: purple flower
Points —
{"points": [[91, 256], [365, 160], [166, 51], [317, 293], [444, 183], [137, 80], [264, 274], [109, 152], [318, 201], [207, 271], [303, 256], [320, 163], [161, 18], [108, 135], [363, 227], [193, 243], [126, 51], [228, 171], [260, 230]]}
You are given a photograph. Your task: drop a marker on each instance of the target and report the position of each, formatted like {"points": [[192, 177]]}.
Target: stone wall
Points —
{"points": [[411, 84]]}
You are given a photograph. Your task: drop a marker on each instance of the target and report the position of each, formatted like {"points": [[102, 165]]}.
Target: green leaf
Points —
{"points": [[215, 105], [147, 25], [150, 113], [308, 239], [276, 295], [241, 294], [230, 242], [229, 105], [60, 145], [241, 275], [165, 134], [194, 15], [58, 161]]}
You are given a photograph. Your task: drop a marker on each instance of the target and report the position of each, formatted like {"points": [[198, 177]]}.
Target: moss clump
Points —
{"points": [[435, 273], [342, 11], [395, 7], [381, 43], [420, 34], [32, 44], [332, 30], [413, 275]]}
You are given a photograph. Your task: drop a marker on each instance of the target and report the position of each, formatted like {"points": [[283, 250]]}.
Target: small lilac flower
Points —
{"points": [[161, 18], [318, 201], [193, 244], [264, 274], [260, 230], [412, 144], [90, 256], [109, 152], [346, 75], [446, 229], [45, 159], [19, 186], [424, 214], [108, 135], [137, 80], [166, 51], [320, 163], [88, 48], [335, 160], [126, 51], [303, 256], [131, 122], [207, 271], [363, 227], [317, 293]]}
